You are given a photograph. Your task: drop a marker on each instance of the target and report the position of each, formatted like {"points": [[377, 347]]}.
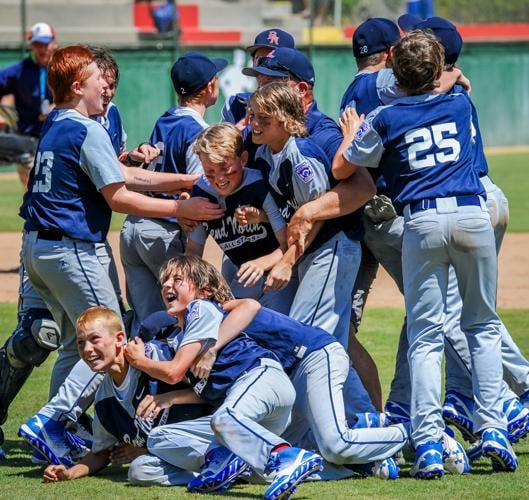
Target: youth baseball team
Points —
{"points": [[254, 372]]}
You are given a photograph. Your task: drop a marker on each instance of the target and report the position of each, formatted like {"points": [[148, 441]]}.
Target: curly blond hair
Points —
{"points": [[284, 104]]}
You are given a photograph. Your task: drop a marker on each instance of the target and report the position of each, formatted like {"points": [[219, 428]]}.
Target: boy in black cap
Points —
{"points": [[170, 149]]}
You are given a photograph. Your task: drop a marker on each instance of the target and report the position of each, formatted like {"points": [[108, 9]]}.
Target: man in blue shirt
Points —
{"points": [[26, 81]]}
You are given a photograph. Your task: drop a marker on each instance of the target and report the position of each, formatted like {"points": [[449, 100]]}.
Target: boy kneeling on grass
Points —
{"points": [[119, 436]]}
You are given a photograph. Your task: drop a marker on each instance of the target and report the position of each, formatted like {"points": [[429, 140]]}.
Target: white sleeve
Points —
{"points": [[309, 180], [387, 86], [273, 213], [103, 440], [367, 147], [202, 321], [198, 235], [98, 157]]}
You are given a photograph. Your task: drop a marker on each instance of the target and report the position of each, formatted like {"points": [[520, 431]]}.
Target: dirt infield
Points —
{"points": [[513, 290]]}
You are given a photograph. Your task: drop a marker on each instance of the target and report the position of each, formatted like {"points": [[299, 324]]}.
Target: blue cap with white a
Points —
{"points": [[193, 71], [272, 38], [443, 29], [374, 35], [284, 63]]}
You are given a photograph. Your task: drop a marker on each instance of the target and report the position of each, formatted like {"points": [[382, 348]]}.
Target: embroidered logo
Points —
{"points": [[273, 38], [194, 313], [305, 172], [362, 131]]}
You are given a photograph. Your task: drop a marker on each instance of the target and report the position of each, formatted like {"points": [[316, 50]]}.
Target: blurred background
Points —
{"points": [[146, 38]]}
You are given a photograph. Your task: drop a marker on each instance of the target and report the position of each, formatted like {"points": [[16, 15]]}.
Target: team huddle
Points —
{"points": [[254, 372]]}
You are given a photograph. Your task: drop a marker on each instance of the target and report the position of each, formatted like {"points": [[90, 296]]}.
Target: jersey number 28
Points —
{"points": [[447, 147]]}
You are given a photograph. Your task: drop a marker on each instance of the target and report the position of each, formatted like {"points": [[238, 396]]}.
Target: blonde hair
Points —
{"points": [[418, 59], [203, 276], [219, 143], [104, 315], [283, 103]]}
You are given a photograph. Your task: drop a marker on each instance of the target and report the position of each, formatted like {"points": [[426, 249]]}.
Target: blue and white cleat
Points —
{"points": [[220, 470], [383, 469], [49, 438], [428, 461], [291, 467], [455, 460], [496, 446], [370, 419], [517, 419], [458, 411], [397, 413]]}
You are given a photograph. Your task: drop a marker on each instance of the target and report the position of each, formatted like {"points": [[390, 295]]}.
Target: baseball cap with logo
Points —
{"points": [[193, 71], [272, 38], [443, 29], [374, 35], [41, 33], [283, 63]]}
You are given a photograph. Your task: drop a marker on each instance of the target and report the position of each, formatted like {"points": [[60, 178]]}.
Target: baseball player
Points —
{"points": [[253, 248], [76, 182], [26, 81], [433, 183], [36, 333], [119, 436], [146, 243], [234, 109], [253, 394]]}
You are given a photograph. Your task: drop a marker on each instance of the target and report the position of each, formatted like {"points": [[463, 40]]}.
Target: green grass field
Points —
{"points": [[20, 479], [509, 171]]}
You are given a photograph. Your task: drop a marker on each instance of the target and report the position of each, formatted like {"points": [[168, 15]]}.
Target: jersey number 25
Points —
{"points": [[447, 147]]}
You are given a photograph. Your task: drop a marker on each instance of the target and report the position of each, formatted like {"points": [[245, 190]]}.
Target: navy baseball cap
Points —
{"points": [[374, 35], [193, 71], [284, 63], [272, 38], [444, 30]]}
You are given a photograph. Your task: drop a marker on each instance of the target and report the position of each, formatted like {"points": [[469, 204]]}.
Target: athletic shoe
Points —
{"points": [[474, 451], [428, 461], [497, 447], [370, 419], [455, 459], [220, 470], [383, 469], [517, 419], [397, 413], [291, 466], [49, 438], [458, 411]]}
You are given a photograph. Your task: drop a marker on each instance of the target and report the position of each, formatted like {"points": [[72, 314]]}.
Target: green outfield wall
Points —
{"points": [[499, 74]]}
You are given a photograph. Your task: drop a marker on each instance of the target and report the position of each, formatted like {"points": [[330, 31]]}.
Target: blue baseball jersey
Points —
{"points": [[369, 90], [234, 109], [174, 134], [323, 130], [288, 339], [300, 173], [115, 420], [201, 324], [423, 145], [26, 80], [113, 124], [240, 243], [75, 160]]}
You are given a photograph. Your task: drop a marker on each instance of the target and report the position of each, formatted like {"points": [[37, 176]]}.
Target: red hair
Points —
{"points": [[68, 65]]}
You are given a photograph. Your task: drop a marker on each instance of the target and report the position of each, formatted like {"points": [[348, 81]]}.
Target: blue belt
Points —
{"points": [[462, 201]]}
